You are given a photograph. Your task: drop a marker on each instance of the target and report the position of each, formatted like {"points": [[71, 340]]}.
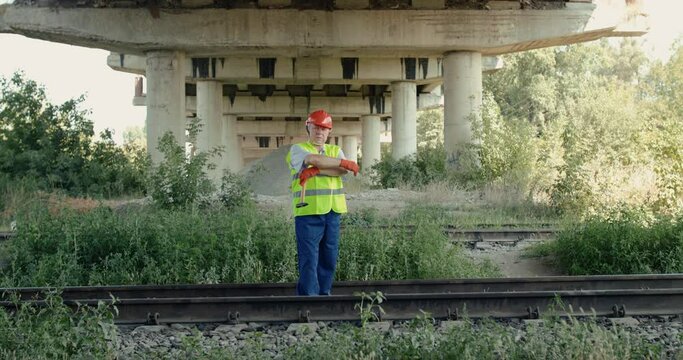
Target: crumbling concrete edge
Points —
{"points": [[4, 28]]}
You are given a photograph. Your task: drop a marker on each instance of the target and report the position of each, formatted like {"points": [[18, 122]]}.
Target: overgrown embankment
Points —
{"points": [[623, 243], [149, 245]]}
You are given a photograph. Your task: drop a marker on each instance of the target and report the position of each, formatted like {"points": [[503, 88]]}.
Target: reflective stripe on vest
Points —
{"points": [[319, 192], [323, 193]]}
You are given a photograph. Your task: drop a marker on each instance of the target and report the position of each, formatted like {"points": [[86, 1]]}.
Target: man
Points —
{"points": [[318, 166]]}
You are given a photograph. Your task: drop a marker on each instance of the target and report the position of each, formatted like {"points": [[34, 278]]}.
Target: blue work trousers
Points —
{"points": [[317, 243]]}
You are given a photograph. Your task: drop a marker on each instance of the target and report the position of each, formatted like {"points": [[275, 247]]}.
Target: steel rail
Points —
{"points": [[545, 283], [523, 304], [480, 234]]}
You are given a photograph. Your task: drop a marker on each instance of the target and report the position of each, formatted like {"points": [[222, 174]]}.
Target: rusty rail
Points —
{"points": [[544, 283], [443, 299]]}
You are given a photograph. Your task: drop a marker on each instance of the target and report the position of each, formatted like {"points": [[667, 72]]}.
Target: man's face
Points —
{"points": [[318, 134]]}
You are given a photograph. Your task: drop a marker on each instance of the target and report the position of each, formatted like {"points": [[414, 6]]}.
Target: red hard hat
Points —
{"points": [[320, 118]]}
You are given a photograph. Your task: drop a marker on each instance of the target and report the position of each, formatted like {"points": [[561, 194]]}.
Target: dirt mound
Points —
{"points": [[270, 174]]}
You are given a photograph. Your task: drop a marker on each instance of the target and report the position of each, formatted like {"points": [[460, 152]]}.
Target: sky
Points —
{"points": [[69, 71]]}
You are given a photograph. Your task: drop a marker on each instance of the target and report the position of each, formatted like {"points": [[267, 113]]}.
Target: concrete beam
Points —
{"points": [[282, 106], [428, 4], [352, 4], [293, 128], [274, 4], [316, 71], [279, 106], [295, 33], [196, 3], [305, 70]]}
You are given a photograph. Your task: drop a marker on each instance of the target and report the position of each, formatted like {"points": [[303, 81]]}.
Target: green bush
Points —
{"points": [[179, 181], [235, 191], [57, 332], [158, 246], [150, 246], [53, 144], [420, 252], [415, 171], [625, 242]]}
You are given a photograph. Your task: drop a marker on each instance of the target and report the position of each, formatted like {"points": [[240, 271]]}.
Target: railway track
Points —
{"points": [[504, 235], [443, 299]]}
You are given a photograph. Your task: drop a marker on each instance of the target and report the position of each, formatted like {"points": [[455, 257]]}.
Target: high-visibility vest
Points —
{"points": [[323, 193]]}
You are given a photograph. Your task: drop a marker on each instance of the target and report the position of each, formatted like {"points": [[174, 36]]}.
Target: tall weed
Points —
{"points": [[623, 242], [55, 331], [157, 246]]}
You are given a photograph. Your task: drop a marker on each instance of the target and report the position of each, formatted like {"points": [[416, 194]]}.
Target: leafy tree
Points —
{"points": [[430, 128], [135, 136], [664, 136], [54, 144]]}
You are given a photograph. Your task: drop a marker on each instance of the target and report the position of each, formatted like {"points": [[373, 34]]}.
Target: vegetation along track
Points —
{"points": [[504, 235], [443, 299]]}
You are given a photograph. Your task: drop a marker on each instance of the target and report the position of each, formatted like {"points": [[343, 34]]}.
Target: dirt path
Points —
{"points": [[513, 263]]}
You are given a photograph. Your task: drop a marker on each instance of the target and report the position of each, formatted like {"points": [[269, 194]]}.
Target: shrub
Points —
{"points": [[235, 191], [57, 332], [414, 171], [178, 181], [159, 246], [623, 242]]}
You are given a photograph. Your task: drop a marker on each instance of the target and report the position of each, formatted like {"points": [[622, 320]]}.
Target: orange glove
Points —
{"points": [[350, 166], [307, 173]]}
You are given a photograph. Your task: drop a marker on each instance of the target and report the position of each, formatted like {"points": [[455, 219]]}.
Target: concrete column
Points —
{"points": [[404, 119], [370, 145], [165, 98], [232, 156], [462, 101], [210, 115], [350, 147]]}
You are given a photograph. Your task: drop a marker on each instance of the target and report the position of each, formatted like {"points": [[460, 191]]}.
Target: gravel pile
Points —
{"points": [[270, 174], [166, 341]]}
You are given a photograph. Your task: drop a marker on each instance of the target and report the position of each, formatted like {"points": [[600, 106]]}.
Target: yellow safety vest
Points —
{"points": [[323, 193]]}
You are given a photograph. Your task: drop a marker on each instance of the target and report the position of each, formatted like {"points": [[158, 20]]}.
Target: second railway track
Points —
{"points": [[446, 299], [511, 234]]}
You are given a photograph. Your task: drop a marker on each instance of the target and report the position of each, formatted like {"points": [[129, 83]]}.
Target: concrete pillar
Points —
{"points": [[371, 144], [165, 98], [404, 119], [232, 156], [462, 101], [210, 115], [350, 147]]}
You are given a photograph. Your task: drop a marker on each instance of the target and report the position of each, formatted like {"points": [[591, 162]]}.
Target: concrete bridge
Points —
{"points": [[253, 69]]}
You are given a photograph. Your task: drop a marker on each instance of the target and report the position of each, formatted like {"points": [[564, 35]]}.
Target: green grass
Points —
{"points": [[153, 246], [57, 332], [541, 249], [625, 242]]}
